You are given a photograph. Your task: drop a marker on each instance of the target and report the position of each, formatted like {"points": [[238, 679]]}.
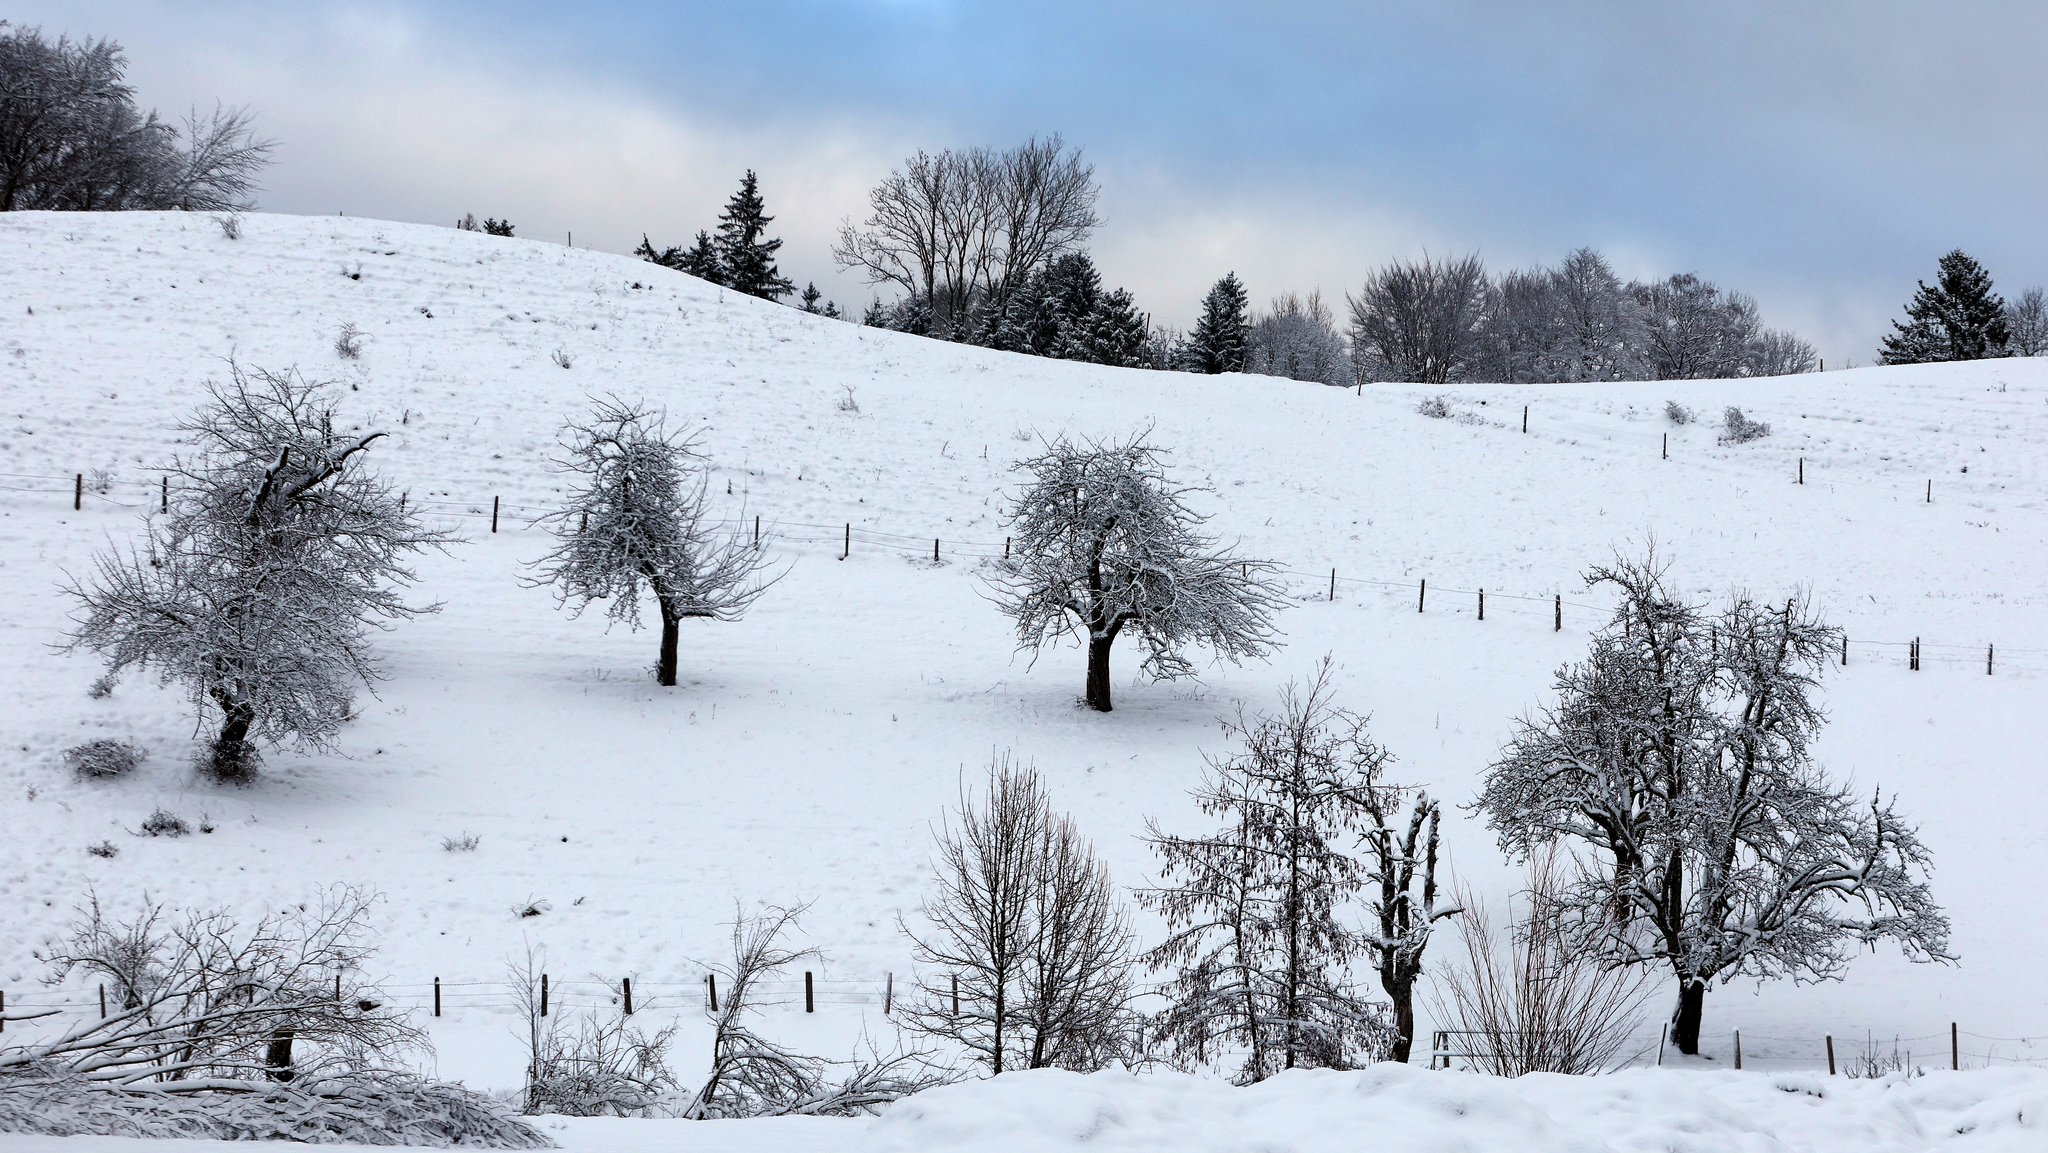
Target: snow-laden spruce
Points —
{"points": [[1104, 541], [258, 588], [1680, 754], [639, 521]]}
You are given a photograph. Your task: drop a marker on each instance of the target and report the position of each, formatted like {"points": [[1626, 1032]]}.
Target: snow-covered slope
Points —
{"points": [[812, 745]]}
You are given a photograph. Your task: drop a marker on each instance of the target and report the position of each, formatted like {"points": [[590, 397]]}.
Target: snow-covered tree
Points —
{"points": [[1105, 542], [640, 521], [1599, 328], [259, 589], [1677, 758], [1519, 331], [1960, 318], [1217, 342], [1401, 896], [1259, 942], [746, 257], [72, 137], [1298, 339], [1692, 330], [1028, 947], [1419, 320]]}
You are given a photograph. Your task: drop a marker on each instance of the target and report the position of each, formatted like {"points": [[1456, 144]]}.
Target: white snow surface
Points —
{"points": [[811, 746]]}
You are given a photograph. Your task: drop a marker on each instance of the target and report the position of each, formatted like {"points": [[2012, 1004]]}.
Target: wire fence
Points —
{"points": [[841, 540], [1850, 1053]]}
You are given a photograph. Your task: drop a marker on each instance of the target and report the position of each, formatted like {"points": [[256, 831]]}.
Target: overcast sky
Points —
{"points": [[1820, 156]]}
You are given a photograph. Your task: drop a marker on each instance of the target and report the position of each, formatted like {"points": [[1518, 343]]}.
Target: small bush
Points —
{"points": [[1677, 413], [532, 908], [105, 850], [847, 403], [496, 227], [1739, 429], [348, 344], [164, 823], [563, 359], [103, 759], [466, 843], [230, 225], [1435, 407]]}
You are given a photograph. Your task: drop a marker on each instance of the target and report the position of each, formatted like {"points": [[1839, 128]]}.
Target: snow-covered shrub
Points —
{"points": [[466, 843], [562, 359], [1435, 407], [1677, 413], [348, 343], [1872, 1062], [1739, 429], [105, 850], [847, 403], [230, 225], [103, 759], [164, 823], [360, 1109], [103, 686]]}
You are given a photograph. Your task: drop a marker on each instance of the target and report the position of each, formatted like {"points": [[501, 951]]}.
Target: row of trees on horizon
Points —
{"points": [[990, 247]]}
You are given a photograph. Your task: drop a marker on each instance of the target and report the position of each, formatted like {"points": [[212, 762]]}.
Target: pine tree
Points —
{"points": [[1071, 287], [745, 254], [670, 257], [809, 299], [1116, 331], [1218, 342], [1960, 318], [702, 260]]}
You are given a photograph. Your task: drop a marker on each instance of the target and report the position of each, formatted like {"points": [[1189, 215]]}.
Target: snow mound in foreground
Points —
{"points": [[1394, 1108]]}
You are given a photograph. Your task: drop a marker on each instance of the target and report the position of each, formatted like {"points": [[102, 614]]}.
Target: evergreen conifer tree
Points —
{"points": [[1218, 342], [1116, 331], [745, 254], [670, 257], [1960, 318], [702, 260], [810, 297]]}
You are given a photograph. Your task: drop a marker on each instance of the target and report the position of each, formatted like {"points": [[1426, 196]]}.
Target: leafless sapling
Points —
{"points": [[1678, 757], [1029, 951], [260, 588], [1401, 897], [640, 521], [1105, 542], [1259, 947]]}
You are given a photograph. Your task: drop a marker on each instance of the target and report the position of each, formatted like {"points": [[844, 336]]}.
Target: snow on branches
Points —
{"points": [[259, 588], [640, 522], [1679, 752], [1105, 542]]}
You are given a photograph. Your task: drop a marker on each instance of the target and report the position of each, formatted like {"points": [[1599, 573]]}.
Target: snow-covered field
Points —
{"points": [[811, 746]]}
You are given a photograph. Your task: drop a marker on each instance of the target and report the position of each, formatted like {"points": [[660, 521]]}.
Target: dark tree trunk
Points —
{"points": [[1685, 1021], [1404, 1023], [665, 671], [1098, 672], [279, 1056], [233, 759]]}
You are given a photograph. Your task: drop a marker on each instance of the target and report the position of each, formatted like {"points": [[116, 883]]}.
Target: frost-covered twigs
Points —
{"points": [[1105, 542], [752, 1076], [640, 520], [259, 589], [592, 1066], [1030, 948], [207, 1003]]}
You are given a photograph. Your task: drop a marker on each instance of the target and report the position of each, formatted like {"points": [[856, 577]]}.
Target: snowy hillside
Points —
{"points": [[810, 746]]}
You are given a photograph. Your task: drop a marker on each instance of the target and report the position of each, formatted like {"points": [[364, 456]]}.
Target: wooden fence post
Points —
{"points": [[1525, 418], [164, 504], [1989, 652], [888, 993], [935, 550], [1666, 451], [626, 990], [1333, 584], [1421, 595], [711, 987], [1557, 621], [1802, 470], [1930, 491], [809, 1005], [1845, 650], [437, 996], [543, 994], [1955, 1049], [1738, 1048], [494, 514], [1663, 1033], [757, 530], [1831, 1054], [78, 493], [103, 1000], [1482, 604], [846, 550]]}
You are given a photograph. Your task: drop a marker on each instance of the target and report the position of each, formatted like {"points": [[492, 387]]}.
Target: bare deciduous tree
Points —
{"points": [[640, 521], [1538, 1002], [1419, 320], [1679, 755], [1298, 339], [961, 226], [2026, 323], [752, 1076], [1400, 897], [1261, 952], [1105, 542], [1030, 949], [72, 137], [259, 589]]}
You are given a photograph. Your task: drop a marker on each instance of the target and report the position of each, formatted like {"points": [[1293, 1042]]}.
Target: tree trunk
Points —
{"points": [[233, 760], [665, 670], [1098, 672], [279, 1056], [1404, 1023], [1685, 1020]]}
